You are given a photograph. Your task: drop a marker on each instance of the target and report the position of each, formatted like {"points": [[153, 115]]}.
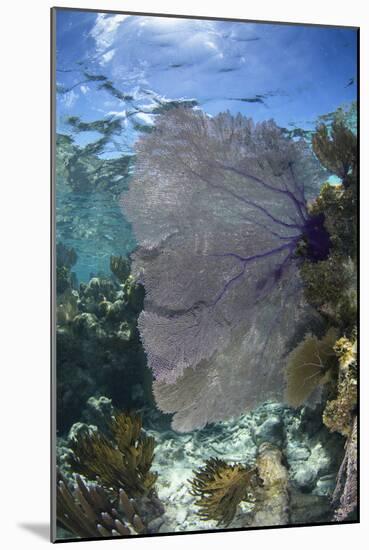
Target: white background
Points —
{"points": [[24, 253]]}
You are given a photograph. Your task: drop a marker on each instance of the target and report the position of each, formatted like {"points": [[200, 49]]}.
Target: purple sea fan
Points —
{"points": [[218, 206]]}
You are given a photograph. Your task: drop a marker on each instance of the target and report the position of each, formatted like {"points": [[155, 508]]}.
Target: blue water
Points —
{"points": [[115, 75], [91, 220], [94, 226]]}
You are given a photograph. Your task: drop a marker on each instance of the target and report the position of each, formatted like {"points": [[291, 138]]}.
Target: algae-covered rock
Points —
{"points": [[220, 488], [88, 511], [305, 477], [80, 429], [339, 412], [85, 324], [99, 347], [98, 412], [273, 504], [330, 287]]}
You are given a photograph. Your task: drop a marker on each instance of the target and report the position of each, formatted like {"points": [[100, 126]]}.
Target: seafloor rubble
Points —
{"points": [[310, 453]]}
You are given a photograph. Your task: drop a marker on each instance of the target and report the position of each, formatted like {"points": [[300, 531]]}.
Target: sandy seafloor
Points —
{"points": [[311, 453]]}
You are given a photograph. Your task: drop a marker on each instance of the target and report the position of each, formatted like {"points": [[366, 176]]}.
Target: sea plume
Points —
{"points": [[218, 206]]}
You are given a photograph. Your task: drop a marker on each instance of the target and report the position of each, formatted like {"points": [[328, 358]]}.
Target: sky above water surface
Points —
{"points": [[291, 73]]}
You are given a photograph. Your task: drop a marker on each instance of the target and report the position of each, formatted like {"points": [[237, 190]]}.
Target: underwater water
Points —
{"points": [[206, 275]]}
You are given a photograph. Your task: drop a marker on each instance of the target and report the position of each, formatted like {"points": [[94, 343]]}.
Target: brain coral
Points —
{"points": [[218, 206]]}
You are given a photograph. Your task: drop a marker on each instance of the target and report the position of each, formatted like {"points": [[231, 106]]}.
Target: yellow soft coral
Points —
{"points": [[221, 487], [122, 462], [308, 366]]}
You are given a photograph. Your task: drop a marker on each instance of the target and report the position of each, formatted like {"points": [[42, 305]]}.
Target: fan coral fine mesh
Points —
{"points": [[218, 206]]}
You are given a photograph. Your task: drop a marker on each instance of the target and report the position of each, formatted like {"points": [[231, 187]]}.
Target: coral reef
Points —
{"points": [[87, 511], [346, 351], [67, 307], [98, 412], [117, 495], [309, 365], [293, 281], [120, 267], [221, 487], [243, 282], [339, 207], [98, 346], [310, 451], [122, 462], [331, 287], [336, 148]]}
